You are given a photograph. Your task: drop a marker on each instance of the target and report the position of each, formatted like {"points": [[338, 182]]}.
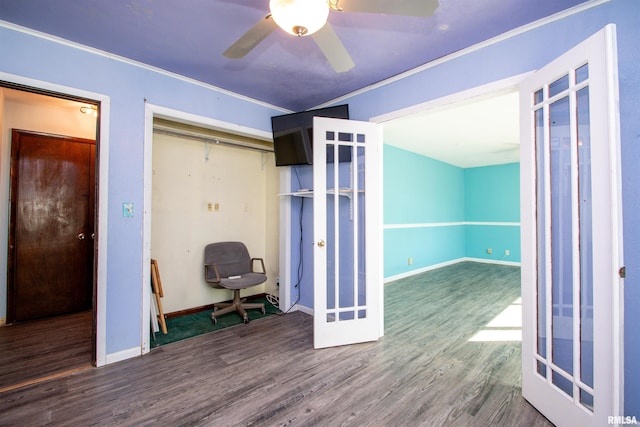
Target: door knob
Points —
{"points": [[321, 243], [81, 236]]}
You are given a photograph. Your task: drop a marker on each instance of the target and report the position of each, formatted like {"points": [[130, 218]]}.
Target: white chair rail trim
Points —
{"points": [[451, 224]]}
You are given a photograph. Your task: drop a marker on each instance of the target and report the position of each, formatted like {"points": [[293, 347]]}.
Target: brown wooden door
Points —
{"points": [[51, 227]]}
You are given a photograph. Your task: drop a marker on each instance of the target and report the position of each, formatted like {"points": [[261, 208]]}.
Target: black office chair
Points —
{"points": [[227, 265]]}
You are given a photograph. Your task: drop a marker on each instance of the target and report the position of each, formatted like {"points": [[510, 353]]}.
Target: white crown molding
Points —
{"points": [[94, 51], [500, 38]]}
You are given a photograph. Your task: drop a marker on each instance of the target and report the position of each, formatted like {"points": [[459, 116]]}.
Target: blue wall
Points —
{"points": [[128, 86], [302, 237], [418, 189], [498, 238], [490, 191], [492, 194], [429, 205], [420, 194]]}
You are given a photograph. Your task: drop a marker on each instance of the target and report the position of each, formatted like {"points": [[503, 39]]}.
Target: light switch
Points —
{"points": [[127, 209]]}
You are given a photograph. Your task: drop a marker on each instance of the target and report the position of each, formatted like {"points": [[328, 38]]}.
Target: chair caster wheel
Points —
{"points": [[214, 320], [264, 311], [246, 320]]}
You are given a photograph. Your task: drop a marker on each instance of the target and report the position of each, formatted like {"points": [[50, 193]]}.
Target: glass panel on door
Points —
{"points": [[345, 252], [561, 241], [332, 230], [586, 239], [564, 235], [358, 210]]}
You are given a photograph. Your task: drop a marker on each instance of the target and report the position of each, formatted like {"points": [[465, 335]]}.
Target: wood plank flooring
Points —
{"points": [[43, 348], [423, 372]]}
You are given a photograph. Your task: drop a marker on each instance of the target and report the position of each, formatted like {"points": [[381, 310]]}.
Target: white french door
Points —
{"points": [[571, 236], [347, 218]]}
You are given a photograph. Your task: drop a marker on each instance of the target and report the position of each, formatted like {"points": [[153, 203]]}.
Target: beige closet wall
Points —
{"points": [[188, 177]]}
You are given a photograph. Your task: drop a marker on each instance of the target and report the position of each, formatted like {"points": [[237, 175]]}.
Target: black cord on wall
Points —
{"points": [[300, 246]]}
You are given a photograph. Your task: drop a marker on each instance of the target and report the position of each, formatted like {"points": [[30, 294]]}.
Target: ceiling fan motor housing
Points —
{"points": [[300, 17]]}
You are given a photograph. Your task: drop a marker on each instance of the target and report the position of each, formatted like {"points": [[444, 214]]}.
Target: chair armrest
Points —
{"points": [[215, 270], [261, 263]]}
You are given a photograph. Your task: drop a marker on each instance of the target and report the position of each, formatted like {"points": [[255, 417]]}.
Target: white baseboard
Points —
{"points": [[493, 261], [446, 263], [422, 270], [123, 355], [303, 309]]}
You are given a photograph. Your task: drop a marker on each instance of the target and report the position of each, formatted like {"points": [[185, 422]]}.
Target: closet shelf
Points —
{"points": [[345, 192]]}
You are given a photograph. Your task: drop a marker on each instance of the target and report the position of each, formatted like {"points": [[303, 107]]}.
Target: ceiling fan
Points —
{"points": [[309, 18]]}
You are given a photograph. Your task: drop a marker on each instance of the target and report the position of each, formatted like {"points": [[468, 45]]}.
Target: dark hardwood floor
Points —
{"points": [[424, 371], [45, 348]]}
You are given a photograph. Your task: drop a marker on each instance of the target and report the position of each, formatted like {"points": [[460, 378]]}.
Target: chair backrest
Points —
{"points": [[231, 259]]}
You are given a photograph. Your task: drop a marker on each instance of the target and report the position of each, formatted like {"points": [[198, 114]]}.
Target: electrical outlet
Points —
{"points": [[489, 250], [506, 252], [410, 261]]}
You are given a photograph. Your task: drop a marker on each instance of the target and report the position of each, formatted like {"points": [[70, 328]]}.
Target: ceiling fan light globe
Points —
{"points": [[299, 17]]}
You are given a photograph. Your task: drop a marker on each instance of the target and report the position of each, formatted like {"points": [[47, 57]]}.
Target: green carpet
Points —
{"points": [[191, 325]]}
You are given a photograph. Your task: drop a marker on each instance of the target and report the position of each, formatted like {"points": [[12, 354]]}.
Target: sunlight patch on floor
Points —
{"points": [[506, 326]]}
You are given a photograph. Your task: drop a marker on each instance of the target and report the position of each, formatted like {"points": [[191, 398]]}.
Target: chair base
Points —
{"points": [[237, 304]]}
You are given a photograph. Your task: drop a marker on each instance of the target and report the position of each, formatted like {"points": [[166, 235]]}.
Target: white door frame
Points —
{"points": [[156, 111], [499, 86], [102, 198]]}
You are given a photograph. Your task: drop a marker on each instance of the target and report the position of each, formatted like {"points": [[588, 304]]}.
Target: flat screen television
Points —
{"points": [[293, 135]]}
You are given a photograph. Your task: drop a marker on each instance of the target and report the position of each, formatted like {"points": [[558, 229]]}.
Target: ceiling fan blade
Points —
{"points": [[251, 38], [333, 49], [423, 8]]}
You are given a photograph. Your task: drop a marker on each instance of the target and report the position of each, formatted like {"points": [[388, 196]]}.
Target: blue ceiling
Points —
{"points": [[188, 37]]}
